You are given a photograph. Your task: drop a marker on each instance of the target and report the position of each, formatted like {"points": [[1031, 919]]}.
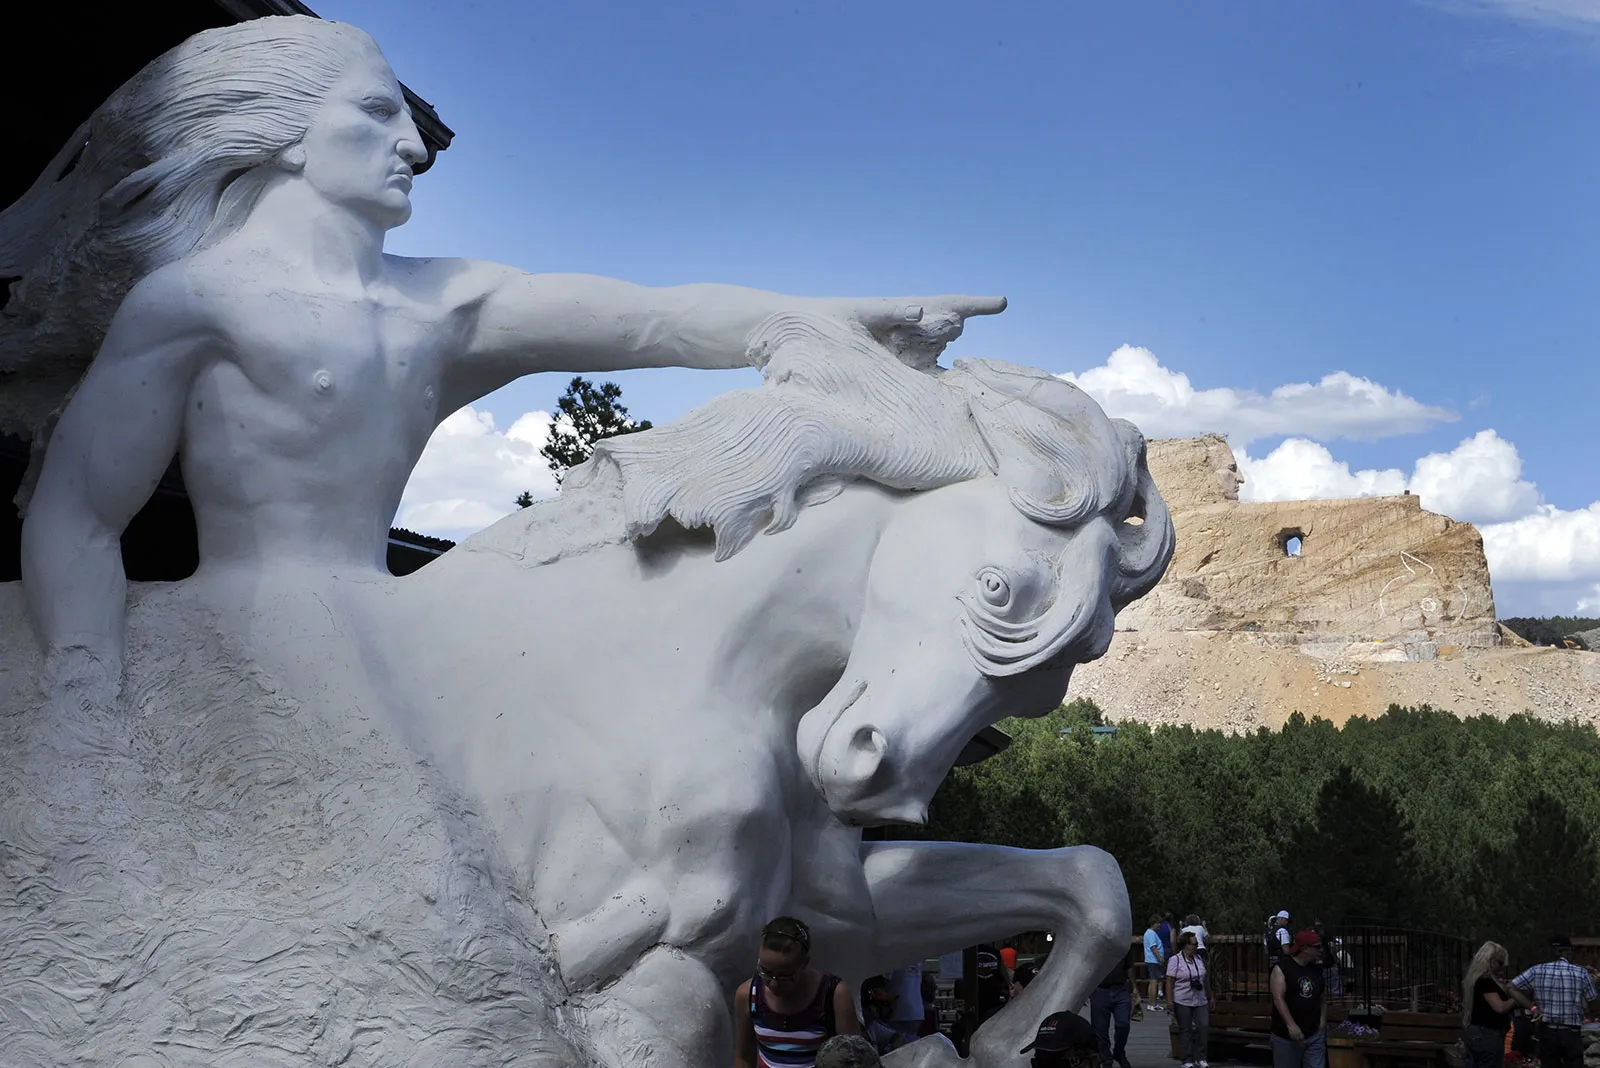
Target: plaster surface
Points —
{"points": [[531, 805]]}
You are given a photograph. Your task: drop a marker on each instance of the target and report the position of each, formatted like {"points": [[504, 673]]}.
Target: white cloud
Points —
{"points": [[1132, 384], [471, 473], [1479, 480], [1300, 470], [1539, 553], [1550, 545]]}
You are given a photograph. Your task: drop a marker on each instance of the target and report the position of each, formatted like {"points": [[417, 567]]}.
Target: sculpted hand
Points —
{"points": [[916, 329]]}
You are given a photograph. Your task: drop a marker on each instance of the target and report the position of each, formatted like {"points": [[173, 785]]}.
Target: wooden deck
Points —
{"points": [[1150, 1046]]}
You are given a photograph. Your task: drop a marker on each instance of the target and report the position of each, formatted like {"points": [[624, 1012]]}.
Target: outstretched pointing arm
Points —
{"points": [[108, 451], [525, 323]]}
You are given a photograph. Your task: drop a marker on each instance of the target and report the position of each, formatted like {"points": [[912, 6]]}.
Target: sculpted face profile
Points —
{"points": [[230, 204]]}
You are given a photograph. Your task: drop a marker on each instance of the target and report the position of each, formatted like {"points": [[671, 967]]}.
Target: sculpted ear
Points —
{"points": [[1051, 445], [293, 158], [1144, 548]]}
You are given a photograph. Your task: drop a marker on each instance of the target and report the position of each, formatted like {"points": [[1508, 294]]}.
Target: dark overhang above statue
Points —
{"points": [[79, 54]]}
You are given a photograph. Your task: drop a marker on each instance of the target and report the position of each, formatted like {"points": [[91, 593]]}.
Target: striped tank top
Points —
{"points": [[792, 1041]]}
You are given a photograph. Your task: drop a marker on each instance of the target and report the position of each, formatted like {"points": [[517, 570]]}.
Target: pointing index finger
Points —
{"points": [[968, 306]]}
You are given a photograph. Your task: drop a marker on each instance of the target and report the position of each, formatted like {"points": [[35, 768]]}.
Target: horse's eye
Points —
{"points": [[994, 588]]}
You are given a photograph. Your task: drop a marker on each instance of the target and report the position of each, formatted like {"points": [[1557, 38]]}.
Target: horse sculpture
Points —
{"points": [[765, 698]]}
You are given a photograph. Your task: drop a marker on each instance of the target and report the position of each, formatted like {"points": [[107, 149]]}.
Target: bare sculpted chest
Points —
{"points": [[336, 365], [314, 408]]}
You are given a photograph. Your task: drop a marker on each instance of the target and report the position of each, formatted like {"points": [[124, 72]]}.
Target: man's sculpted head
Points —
{"points": [[360, 151], [173, 160]]}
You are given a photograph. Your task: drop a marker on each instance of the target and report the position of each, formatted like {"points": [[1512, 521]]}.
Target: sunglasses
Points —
{"points": [[776, 977]]}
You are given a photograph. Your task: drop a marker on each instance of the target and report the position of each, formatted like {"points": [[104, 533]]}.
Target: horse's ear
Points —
{"points": [[1049, 443]]}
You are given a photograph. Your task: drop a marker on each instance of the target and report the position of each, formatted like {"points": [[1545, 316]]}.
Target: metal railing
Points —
{"points": [[1370, 967]]}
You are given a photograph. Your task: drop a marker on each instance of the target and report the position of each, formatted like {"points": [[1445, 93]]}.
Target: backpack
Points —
{"points": [[1269, 939]]}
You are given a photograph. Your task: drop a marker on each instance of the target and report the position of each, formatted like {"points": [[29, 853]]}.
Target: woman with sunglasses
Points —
{"points": [[788, 1009]]}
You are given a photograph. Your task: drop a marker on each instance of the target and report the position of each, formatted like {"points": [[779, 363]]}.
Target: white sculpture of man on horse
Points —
{"points": [[531, 805]]}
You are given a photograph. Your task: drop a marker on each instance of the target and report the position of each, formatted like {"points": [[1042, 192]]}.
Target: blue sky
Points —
{"points": [[1252, 194]]}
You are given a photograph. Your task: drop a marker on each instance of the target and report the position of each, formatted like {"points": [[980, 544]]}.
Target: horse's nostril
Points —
{"points": [[867, 746], [867, 739]]}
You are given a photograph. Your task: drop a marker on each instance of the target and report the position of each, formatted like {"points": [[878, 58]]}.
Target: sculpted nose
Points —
{"points": [[412, 150]]}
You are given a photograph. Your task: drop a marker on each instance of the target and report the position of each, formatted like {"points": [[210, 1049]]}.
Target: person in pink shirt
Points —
{"points": [[1190, 997]]}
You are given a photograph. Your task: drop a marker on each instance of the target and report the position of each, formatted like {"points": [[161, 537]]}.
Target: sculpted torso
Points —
{"points": [[330, 394]]}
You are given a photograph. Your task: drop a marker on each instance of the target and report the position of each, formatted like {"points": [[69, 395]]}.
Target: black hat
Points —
{"points": [[1062, 1032], [1560, 941]]}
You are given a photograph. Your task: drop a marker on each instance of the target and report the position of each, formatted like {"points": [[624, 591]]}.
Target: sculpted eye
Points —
{"points": [[994, 588]]}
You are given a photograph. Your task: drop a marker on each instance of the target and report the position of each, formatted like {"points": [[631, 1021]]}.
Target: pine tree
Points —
{"points": [[1355, 858], [585, 414], [1545, 880]]}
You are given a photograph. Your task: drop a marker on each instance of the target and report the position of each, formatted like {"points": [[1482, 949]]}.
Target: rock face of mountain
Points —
{"points": [[1331, 608], [1375, 569]]}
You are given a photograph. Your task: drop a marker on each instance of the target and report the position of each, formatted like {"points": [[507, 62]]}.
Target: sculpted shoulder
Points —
{"points": [[180, 299], [448, 283]]}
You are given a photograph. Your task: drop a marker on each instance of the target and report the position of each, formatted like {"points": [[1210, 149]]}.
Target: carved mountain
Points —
{"points": [[1328, 608]]}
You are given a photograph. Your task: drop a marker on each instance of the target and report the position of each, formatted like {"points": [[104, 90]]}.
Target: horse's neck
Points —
{"points": [[789, 605], [779, 615]]}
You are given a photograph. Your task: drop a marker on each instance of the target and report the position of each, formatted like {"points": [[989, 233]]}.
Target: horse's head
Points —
{"points": [[984, 594], [1037, 520]]}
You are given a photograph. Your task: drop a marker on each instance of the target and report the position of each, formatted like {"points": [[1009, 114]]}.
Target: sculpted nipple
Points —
{"points": [[322, 382]]}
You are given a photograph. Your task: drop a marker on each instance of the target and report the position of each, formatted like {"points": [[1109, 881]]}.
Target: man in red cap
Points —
{"points": [[1064, 1038], [1299, 1014]]}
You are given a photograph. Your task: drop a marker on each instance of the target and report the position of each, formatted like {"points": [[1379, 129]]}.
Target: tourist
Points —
{"points": [[1330, 965], [1562, 991], [1299, 1013], [877, 1006], [930, 1006], [1190, 1001], [1192, 925], [1277, 935], [1486, 1004], [1020, 978], [1154, 958], [994, 987], [784, 1013], [1064, 1038], [907, 1012], [1337, 963], [1111, 1003], [847, 1051], [1165, 930]]}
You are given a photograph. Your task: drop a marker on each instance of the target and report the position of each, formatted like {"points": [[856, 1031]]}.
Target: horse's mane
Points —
{"points": [[837, 406]]}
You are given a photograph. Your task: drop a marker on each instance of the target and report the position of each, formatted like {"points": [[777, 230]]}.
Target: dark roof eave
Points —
{"points": [[985, 744]]}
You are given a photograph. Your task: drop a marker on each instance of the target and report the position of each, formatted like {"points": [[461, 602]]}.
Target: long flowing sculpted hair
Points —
{"points": [[173, 160], [837, 406]]}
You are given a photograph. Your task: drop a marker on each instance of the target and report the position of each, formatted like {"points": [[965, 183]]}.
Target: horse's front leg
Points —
{"points": [[934, 897], [667, 1011]]}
